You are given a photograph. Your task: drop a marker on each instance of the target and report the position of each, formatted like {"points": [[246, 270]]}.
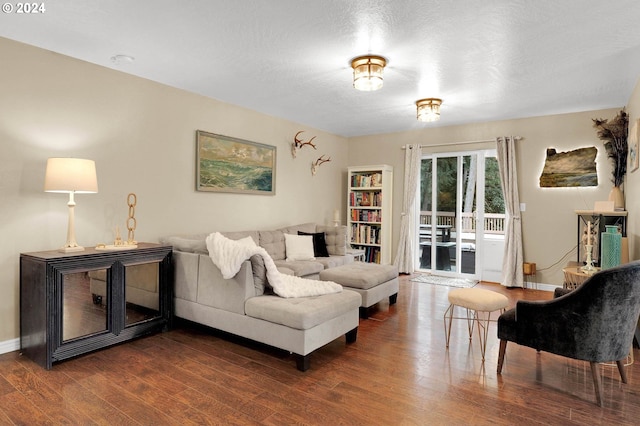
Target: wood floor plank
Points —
{"points": [[22, 411], [45, 397], [214, 409], [97, 409], [125, 401], [397, 372]]}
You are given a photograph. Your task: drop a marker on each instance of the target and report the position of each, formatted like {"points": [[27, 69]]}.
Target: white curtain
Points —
{"points": [[512, 274], [405, 255]]}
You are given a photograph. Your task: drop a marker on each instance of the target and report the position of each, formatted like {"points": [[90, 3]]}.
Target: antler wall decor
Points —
{"points": [[297, 143], [317, 163]]}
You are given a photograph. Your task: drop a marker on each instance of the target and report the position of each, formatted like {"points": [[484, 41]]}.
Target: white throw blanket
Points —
{"points": [[228, 256]]}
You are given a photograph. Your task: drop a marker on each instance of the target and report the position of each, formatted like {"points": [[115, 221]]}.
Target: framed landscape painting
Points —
{"points": [[226, 164]]}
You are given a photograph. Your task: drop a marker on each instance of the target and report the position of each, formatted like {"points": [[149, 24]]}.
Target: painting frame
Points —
{"points": [[634, 137], [232, 165]]}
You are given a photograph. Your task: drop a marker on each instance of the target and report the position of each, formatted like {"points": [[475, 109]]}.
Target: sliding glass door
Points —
{"points": [[452, 211]]}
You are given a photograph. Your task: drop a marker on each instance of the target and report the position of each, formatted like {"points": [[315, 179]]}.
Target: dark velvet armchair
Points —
{"points": [[595, 322]]}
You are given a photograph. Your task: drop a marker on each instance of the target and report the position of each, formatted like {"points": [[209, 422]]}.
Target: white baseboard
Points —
{"points": [[541, 286], [9, 345]]}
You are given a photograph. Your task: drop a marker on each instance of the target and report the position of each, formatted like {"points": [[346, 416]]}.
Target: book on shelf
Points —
{"points": [[366, 180], [371, 254], [366, 215], [365, 199], [365, 234]]}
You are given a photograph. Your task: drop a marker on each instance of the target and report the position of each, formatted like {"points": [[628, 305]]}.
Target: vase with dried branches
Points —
{"points": [[614, 134]]}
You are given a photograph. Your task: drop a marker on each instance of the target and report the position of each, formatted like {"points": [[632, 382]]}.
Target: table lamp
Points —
{"points": [[73, 176]]}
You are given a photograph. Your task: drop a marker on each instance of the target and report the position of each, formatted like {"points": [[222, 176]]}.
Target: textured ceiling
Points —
{"points": [[488, 60]]}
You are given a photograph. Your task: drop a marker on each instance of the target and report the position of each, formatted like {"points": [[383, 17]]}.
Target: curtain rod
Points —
{"points": [[460, 143]]}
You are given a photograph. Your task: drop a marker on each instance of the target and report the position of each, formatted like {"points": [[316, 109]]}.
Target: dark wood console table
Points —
{"points": [[60, 317]]}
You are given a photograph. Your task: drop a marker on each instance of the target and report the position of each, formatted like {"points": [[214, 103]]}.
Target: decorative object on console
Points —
{"points": [[633, 146], [569, 169], [428, 110], [226, 164], [321, 160], [611, 247], [298, 144], [132, 200], [131, 243], [73, 176], [614, 134], [368, 72], [118, 239]]}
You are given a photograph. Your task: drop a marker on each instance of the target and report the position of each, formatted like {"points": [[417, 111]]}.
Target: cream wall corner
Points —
{"points": [[632, 183]]}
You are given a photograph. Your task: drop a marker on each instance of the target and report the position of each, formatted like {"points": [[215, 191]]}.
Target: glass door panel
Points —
{"points": [[443, 225], [426, 206], [451, 204], [471, 175], [142, 297], [82, 313]]}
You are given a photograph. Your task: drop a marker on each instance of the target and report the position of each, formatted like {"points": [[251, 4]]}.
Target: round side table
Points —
{"points": [[574, 276]]}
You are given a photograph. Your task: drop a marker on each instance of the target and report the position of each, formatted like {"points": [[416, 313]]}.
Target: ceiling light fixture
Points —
{"points": [[429, 109], [367, 72]]}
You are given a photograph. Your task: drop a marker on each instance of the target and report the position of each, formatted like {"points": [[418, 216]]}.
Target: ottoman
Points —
{"points": [[374, 282], [474, 300]]}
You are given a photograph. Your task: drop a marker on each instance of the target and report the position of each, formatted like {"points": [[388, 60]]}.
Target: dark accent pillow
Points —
{"points": [[319, 243]]}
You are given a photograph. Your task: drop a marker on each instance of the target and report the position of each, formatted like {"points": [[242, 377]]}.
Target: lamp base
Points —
{"points": [[71, 249]]}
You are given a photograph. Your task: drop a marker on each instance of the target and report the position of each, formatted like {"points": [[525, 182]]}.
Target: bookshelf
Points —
{"points": [[369, 197]]}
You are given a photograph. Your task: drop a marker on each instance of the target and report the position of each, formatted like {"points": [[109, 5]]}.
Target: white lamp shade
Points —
{"points": [[70, 175]]}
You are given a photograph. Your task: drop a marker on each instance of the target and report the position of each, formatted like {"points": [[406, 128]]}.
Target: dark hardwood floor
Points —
{"points": [[398, 372]]}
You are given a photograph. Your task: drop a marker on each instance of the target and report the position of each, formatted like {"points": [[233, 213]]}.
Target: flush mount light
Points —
{"points": [[367, 72], [429, 109], [122, 59]]}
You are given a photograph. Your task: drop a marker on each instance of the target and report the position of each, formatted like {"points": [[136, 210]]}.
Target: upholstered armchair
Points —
{"points": [[595, 322]]}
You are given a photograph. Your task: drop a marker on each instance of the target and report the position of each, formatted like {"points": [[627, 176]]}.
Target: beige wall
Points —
{"points": [[632, 182], [142, 136], [549, 222]]}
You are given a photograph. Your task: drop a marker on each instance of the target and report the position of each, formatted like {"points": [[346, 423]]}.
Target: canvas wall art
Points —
{"points": [[226, 164], [569, 169]]}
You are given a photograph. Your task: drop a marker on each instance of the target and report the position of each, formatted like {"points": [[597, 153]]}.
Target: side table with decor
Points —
{"points": [[575, 276]]}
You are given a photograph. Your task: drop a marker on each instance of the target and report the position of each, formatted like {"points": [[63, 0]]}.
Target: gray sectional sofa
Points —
{"points": [[244, 304]]}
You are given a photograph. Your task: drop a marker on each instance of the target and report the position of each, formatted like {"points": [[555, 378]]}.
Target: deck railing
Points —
{"points": [[493, 222]]}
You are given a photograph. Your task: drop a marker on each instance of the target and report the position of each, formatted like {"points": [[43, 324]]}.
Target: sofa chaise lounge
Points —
{"points": [[244, 306]]}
